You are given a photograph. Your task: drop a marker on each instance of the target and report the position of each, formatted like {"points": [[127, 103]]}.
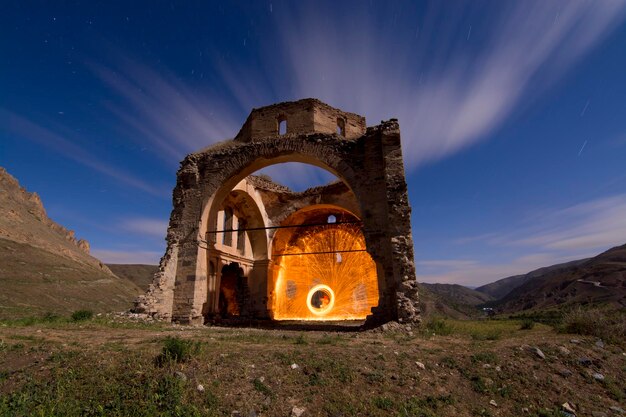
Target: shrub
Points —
{"points": [[484, 357], [262, 388], [177, 350], [50, 318], [82, 315], [383, 403], [438, 326], [603, 323], [527, 324]]}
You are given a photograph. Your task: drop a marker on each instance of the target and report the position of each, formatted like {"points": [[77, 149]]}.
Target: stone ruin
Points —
{"points": [[240, 246]]}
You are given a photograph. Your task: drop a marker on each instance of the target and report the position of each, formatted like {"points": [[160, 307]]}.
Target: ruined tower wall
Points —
{"points": [[301, 117]]}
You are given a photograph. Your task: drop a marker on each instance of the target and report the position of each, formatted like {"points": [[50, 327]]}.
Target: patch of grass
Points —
{"points": [[614, 391], [607, 324], [476, 329], [478, 384], [527, 324], [546, 412], [300, 340], [328, 340], [344, 374], [82, 389], [505, 391], [490, 334], [551, 318], [484, 357], [82, 315], [262, 388], [383, 403], [177, 350], [416, 407], [448, 362], [374, 377], [434, 402], [438, 326], [285, 358], [24, 337], [17, 346]]}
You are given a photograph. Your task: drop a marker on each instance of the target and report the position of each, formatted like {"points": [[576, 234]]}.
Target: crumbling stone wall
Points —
{"points": [[370, 165], [303, 116]]}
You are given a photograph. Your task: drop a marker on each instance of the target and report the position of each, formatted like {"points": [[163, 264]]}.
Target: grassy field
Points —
{"points": [[104, 367]]}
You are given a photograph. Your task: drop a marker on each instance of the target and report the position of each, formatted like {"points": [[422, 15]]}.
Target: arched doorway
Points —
{"points": [[321, 268], [233, 294]]}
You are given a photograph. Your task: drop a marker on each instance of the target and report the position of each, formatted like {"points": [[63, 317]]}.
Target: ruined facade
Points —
{"points": [[239, 245]]}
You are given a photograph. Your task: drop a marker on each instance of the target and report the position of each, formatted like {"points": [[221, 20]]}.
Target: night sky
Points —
{"points": [[512, 114]]}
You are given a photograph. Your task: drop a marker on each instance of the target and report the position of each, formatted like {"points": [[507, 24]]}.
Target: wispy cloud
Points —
{"points": [[446, 263], [157, 108], [448, 90], [146, 226], [596, 224], [475, 273], [25, 129], [127, 257], [446, 93], [545, 238]]}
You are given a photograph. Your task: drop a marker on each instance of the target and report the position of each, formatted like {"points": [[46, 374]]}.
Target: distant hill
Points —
{"points": [[450, 300], [44, 267], [594, 281], [459, 294], [140, 275], [502, 287]]}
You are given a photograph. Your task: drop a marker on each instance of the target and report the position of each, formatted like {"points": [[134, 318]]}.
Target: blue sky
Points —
{"points": [[513, 114]]}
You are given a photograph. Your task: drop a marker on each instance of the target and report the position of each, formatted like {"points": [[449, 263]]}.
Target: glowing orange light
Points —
{"points": [[326, 300], [324, 286]]}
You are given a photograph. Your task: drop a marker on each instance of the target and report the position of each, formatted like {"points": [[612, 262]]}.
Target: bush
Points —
{"points": [[527, 324], [51, 318], [82, 315], [177, 350], [383, 403], [603, 323], [438, 326]]}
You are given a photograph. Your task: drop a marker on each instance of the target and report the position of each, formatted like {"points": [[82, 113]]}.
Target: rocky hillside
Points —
{"points": [[141, 275], [44, 267], [450, 300], [598, 280], [502, 287]]}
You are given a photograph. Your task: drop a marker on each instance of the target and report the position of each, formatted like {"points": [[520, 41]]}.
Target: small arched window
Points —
{"points": [[332, 219], [281, 123], [341, 127]]}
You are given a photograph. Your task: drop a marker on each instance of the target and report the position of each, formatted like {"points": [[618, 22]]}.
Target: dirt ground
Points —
{"points": [[99, 368]]}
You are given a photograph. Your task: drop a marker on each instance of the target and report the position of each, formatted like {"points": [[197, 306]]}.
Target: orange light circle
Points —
{"points": [[326, 309]]}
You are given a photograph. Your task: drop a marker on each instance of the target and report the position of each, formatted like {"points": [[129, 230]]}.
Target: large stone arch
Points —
{"points": [[370, 165]]}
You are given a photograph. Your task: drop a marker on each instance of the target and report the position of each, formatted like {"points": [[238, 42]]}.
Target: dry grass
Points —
{"points": [[605, 324], [96, 369]]}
